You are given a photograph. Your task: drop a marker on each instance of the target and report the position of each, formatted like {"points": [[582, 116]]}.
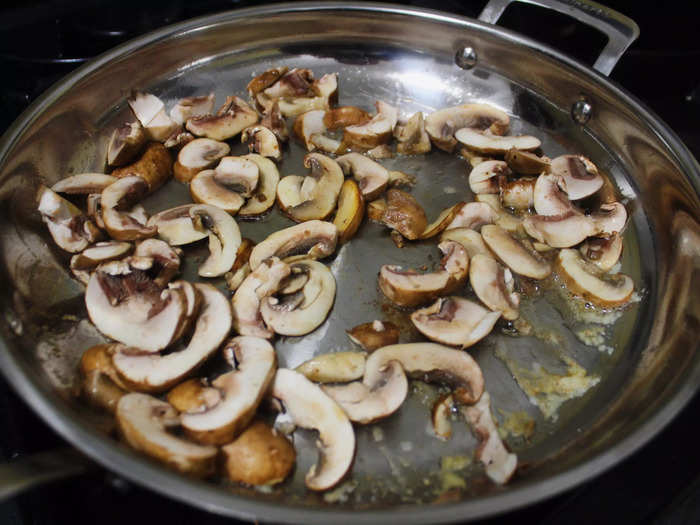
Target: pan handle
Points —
{"points": [[620, 30]]}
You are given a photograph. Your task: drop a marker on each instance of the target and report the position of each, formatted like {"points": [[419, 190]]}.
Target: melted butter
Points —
{"points": [[516, 424]]}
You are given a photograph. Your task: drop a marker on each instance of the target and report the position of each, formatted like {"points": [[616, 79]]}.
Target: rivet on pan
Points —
{"points": [[581, 111], [466, 57]]}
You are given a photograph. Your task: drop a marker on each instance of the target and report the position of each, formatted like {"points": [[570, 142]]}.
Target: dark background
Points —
{"points": [[42, 41]]}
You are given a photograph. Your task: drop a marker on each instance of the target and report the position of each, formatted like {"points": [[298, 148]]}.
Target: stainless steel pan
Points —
{"points": [[416, 59]]}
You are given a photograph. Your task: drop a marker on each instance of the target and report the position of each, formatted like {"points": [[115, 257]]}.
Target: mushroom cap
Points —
{"points": [[518, 194], [143, 421], [254, 362], [83, 183], [602, 252], [549, 198], [155, 166], [493, 285], [483, 143], [442, 124], [351, 211], [192, 395], [371, 176], [483, 178], [309, 407], [175, 226], [264, 80], [455, 321], [580, 177], [525, 162], [443, 221], [197, 155], [344, 116], [560, 231], [205, 189], [264, 196], [224, 239], [376, 334], [336, 367], [404, 214], [514, 254]]}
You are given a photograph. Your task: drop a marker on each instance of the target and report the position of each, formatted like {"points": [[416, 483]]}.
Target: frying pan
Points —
{"points": [[642, 373]]}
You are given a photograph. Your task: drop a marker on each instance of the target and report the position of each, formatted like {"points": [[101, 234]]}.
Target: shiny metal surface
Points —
{"points": [[406, 57]]}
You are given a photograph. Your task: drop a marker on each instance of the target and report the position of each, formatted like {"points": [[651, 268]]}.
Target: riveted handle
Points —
{"points": [[620, 30]]}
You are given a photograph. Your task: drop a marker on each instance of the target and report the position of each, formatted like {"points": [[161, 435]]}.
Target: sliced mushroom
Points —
{"points": [[83, 184], [81, 264], [526, 163], [483, 143], [189, 107], [338, 367], [383, 151], [101, 385], [224, 238], [309, 407], [603, 252], [193, 395], [518, 194], [376, 334], [263, 141], [351, 211], [470, 239], [455, 321], [376, 209], [144, 420], [493, 285], [441, 125], [239, 174], [404, 214], [580, 177], [300, 312], [254, 363], [371, 176], [150, 111], [175, 226], [443, 221], [178, 140], [206, 189], [264, 195], [365, 402], [308, 125], [316, 239], [473, 215], [610, 218], [377, 131], [123, 195], [70, 229], [274, 121], [161, 127], [158, 373], [264, 80], [500, 464], [344, 116], [399, 178], [504, 218], [440, 417], [483, 178], [411, 137], [232, 118], [292, 83], [325, 91], [125, 143], [198, 155], [235, 278], [548, 197], [155, 166], [560, 231], [409, 288], [166, 260], [193, 301], [588, 281], [259, 456], [514, 254]]}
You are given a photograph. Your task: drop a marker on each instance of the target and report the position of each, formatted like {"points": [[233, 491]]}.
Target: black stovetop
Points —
{"points": [[43, 41]]}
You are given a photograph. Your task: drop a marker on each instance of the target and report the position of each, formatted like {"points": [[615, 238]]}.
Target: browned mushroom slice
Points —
{"points": [[442, 125], [440, 417], [323, 93], [144, 420], [309, 407], [560, 231], [503, 217], [519, 193], [263, 197], [158, 373], [101, 385], [118, 197], [316, 239], [602, 252], [224, 238], [371, 176], [308, 125], [455, 321], [411, 137], [344, 116], [232, 118], [376, 334], [483, 178], [404, 214], [193, 395], [548, 197], [493, 285], [580, 177], [175, 226], [351, 211], [483, 143], [410, 288], [338, 367], [198, 155], [526, 163], [178, 140], [378, 130], [470, 239], [101, 252], [125, 143], [376, 209], [70, 229], [499, 463], [588, 281], [189, 107], [610, 218], [83, 184], [473, 215], [166, 259], [264, 80], [263, 141], [253, 362], [155, 166], [383, 151], [443, 220], [206, 189], [514, 254], [290, 83]]}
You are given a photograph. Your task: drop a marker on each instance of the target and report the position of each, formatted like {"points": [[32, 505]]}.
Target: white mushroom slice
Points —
{"points": [[124, 304], [433, 363], [504, 218], [326, 144], [123, 195], [518, 194], [143, 420], [324, 91], [198, 155], [193, 300], [404, 214], [308, 125], [366, 402], [235, 279], [224, 238], [470, 239], [383, 151], [588, 281], [483, 178], [166, 260], [254, 363], [83, 184], [206, 189], [493, 285], [101, 252], [371, 176], [514, 254], [602, 252], [473, 215], [500, 464], [376, 334], [161, 127], [264, 196], [548, 197], [338, 367], [610, 218], [311, 408], [264, 80], [158, 373], [178, 140], [263, 141], [275, 122], [526, 163], [443, 221], [441, 125], [411, 137], [455, 321], [409, 288], [290, 192], [262, 282], [377, 131], [70, 229], [301, 312], [232, 118], [560, 231], [482, 143], [239, 174], [145, 106], [293, 83], [440, 417], [175, 226], [125, 143], [316, 239], [580, 177], [189, 107]]}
